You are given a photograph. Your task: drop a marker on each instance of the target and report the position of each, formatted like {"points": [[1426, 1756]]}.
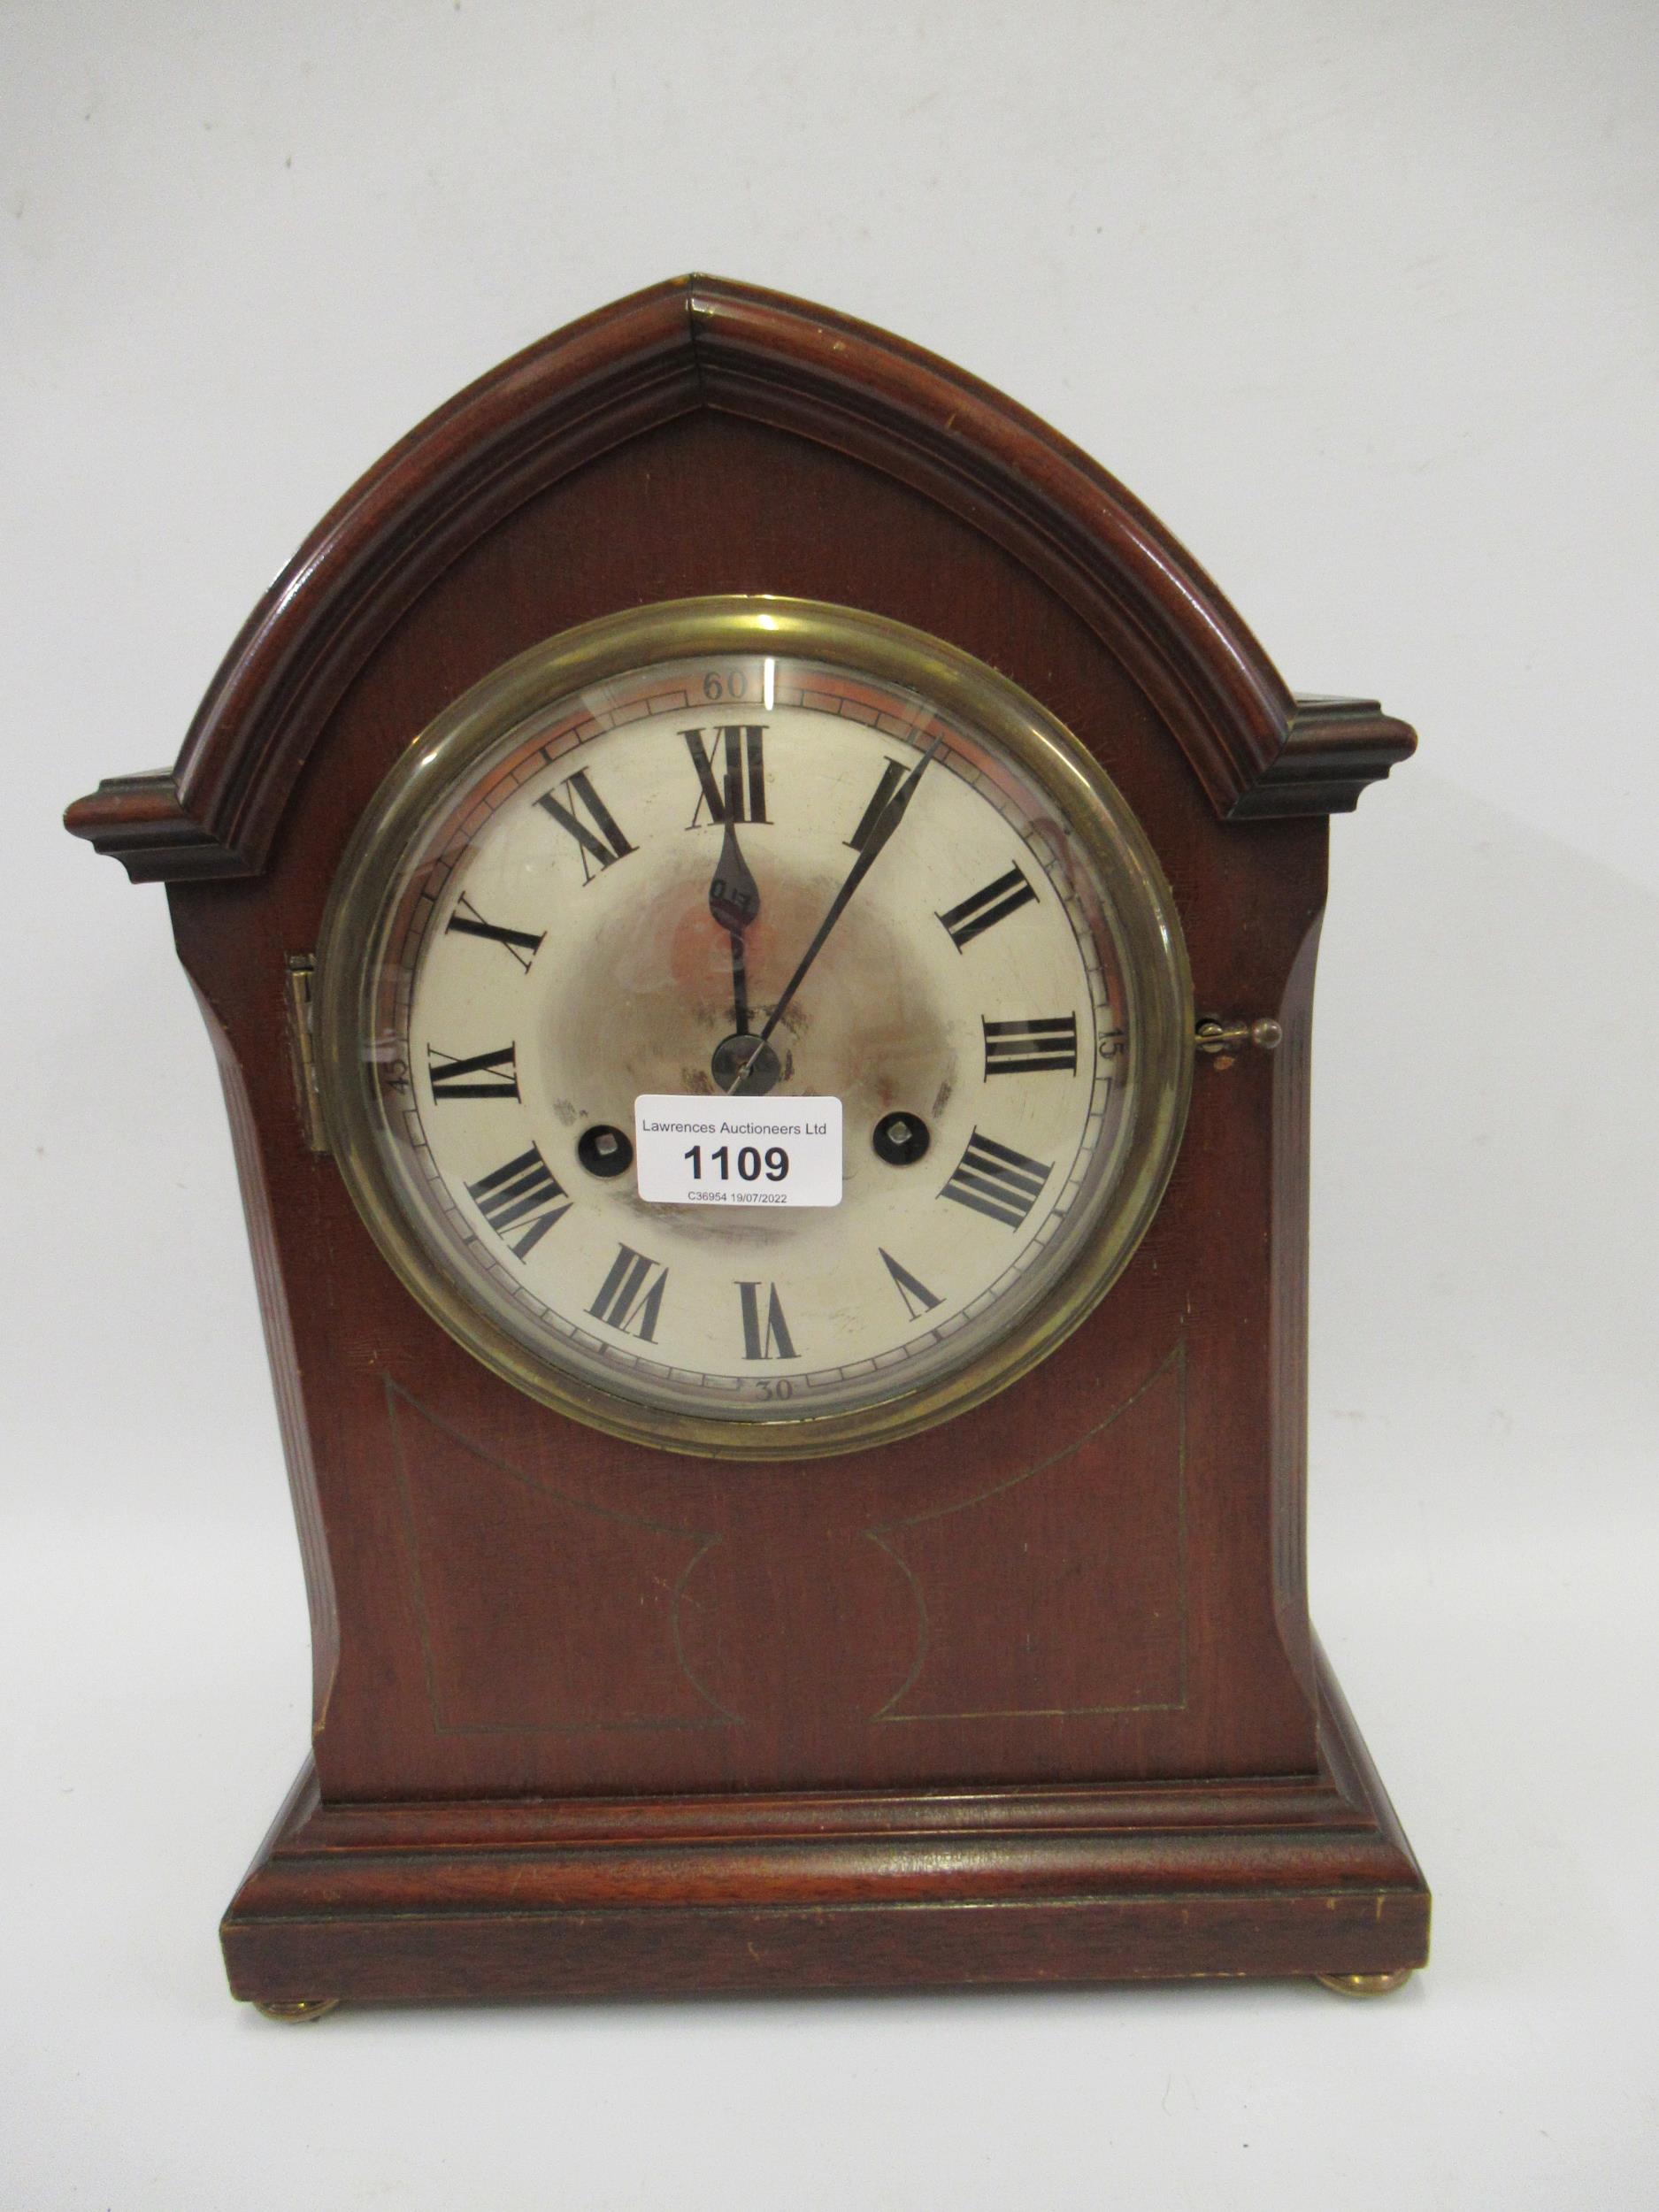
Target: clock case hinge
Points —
{"points": [[1221, 1041], [301, 968]]}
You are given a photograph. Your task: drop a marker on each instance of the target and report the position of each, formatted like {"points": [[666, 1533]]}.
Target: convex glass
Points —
{"points": [[754, 850]]}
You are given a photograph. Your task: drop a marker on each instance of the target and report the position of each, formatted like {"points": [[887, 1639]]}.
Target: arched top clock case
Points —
{"points": [[1021, 1689]]}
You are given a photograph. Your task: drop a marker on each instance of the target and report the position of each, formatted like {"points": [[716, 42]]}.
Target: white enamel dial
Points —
{"points": [[612, 893]]}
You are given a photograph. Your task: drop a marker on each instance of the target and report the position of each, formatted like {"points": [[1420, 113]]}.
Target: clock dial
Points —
{"points": [[659, 857]]}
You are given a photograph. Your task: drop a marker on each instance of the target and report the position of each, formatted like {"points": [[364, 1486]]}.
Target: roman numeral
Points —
{"points": [[739, 793], [770, 1339], [998, 900], [995, 1180], [1028, 1048], [602, 843], [485, 1075], [467, 919], [524, 1197], [631, 1297], [892, 776], [917, 1298]]}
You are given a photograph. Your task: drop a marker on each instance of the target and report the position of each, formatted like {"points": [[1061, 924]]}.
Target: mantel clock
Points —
{"points": [[758, 915]]}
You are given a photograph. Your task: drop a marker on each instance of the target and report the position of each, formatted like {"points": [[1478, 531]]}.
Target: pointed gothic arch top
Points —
{"points": [[703, 343]]}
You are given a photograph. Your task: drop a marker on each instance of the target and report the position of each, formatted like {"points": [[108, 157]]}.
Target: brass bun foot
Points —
{"points": [[1365, 1985], [298, 2008]]}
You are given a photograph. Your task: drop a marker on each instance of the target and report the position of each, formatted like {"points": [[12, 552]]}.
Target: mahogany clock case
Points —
{"points": [[1031, 1695]]}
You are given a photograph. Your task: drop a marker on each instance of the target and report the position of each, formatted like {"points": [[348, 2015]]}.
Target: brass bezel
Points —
{"points": [[1157, 977]]}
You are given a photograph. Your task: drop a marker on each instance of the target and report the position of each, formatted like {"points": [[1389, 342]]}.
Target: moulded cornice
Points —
{"points": [[701, 343]]}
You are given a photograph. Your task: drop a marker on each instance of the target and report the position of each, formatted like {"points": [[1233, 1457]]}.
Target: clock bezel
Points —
{"points": [[1148, 929]]}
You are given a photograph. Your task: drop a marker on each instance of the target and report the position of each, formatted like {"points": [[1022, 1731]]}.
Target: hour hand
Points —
{"points": [[734, 902]]}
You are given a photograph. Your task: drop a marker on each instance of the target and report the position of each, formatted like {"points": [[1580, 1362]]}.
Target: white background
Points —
{"points": [[1360, 296]]}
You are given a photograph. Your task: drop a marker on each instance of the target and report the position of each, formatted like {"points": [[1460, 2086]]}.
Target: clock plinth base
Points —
{"points": [[583, 1897]]}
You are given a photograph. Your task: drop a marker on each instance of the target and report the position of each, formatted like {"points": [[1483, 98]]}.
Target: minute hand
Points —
{"points": [[880, 830]]}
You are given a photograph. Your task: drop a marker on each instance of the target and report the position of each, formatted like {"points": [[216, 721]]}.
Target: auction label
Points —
{"points": [[738, 1151]]}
